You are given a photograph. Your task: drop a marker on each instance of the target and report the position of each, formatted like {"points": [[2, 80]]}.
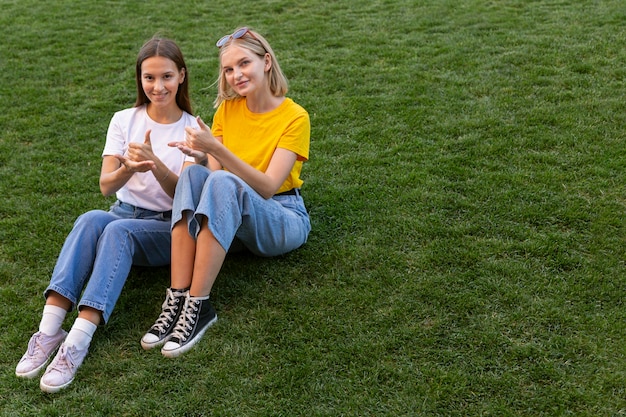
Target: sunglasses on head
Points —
{"points": [[236, 35]]}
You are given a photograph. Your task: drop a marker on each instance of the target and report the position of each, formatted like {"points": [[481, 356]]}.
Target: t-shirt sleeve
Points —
{"points": [[115, 141], [218, 119], [297, 136]]}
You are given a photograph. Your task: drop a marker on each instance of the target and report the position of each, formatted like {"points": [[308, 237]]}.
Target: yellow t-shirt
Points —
{"points": [[254, 137]]}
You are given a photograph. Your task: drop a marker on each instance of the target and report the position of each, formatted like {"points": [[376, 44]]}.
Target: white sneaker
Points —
{"points": [[60, 373], [40, 349]]}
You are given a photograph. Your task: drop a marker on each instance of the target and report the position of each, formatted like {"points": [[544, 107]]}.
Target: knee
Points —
{"points": [[223, 181], [94, 219], [194, 172], [191, 177], [91, 216], [116, 230]]}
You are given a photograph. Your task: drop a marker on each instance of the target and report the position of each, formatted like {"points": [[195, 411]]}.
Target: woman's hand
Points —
{"points": [[140, 157], [132, 166], [201, 139], [118, 169], [198, 142], [184, 148]]}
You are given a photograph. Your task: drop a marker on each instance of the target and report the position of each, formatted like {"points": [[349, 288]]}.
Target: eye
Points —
{"points": [[228, 70]]}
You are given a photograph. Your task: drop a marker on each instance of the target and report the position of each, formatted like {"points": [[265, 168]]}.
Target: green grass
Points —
{"points": [[466, 188]]}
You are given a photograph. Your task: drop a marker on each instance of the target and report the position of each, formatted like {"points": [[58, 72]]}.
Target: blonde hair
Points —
{"points": [[257, 44]]}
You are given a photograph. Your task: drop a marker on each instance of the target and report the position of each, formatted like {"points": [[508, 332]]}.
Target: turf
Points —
{"points": [[466, 188]]}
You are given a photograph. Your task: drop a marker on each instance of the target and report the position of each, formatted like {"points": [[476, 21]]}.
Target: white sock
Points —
{"points": [[52, 319], [201, 297], [81, 333]]}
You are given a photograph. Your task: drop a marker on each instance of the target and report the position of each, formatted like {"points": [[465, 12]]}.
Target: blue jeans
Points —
{"points": [[235, 212], [101, 248]]}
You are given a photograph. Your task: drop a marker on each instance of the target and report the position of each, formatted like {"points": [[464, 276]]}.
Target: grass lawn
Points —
{"points": [[467, 193]]}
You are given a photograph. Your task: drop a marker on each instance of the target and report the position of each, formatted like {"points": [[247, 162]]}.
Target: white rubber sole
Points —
{"points": [[175, 351]]}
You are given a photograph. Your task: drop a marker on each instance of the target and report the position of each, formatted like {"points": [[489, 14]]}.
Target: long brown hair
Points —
{"points": [[166, 48]]}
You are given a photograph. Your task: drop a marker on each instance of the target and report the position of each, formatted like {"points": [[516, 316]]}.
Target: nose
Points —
{"points": [[160, 85]]}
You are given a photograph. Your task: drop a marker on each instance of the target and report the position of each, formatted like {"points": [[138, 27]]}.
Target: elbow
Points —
{"points": [[267, 194], [106, 191]]}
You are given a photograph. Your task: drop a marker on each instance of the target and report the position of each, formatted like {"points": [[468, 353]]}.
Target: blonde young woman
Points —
{"points": [[244, 188]]}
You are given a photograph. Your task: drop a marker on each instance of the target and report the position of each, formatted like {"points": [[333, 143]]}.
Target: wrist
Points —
{"points": [[162, 178]]}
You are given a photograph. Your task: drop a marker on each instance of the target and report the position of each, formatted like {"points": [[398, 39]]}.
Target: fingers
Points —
{"points": [[142, 166], [126, 163], [183, 148], [121, 158], [148, 166], [134, 166], [190, 131], [138, 151], [201, 123]]}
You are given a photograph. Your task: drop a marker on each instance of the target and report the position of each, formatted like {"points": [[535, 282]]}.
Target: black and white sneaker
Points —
{"points": [[197, 316], [163, 327]]}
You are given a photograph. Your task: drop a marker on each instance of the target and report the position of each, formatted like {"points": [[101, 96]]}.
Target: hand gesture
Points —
{"points": [[198, 142], [140, 157]]}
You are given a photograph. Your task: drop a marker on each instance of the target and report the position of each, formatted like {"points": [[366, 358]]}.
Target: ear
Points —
{"points": [[268, 62], [183, 74]]}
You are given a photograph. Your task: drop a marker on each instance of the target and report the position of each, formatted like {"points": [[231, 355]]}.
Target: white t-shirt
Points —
{"points": [[130, 125]]}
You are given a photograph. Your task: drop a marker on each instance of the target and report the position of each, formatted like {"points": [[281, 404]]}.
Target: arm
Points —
{"points": [[118, 169], [265, 183], [201, 158], [113, 175], [166, 177]]}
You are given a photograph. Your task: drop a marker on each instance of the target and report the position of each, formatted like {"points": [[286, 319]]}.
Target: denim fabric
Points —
{"points": [[101, 248], [234, 210]]}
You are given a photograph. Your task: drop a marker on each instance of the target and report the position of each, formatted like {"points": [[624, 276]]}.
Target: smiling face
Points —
{"points": [[160, 79], [245, 71]]}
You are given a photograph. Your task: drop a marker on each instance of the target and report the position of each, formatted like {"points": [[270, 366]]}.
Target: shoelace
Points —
{"points": [[186, 321], [64, 360], [34, 347], [169, 308]]}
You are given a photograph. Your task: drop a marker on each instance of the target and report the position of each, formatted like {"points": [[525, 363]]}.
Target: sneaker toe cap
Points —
{"points": [[26, 369], [54, 381], [171, 346], [150, 340]]}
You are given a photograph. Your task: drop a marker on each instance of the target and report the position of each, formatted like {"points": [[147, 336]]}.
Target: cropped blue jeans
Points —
{"points": [[97, 255], [238, 214]]}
